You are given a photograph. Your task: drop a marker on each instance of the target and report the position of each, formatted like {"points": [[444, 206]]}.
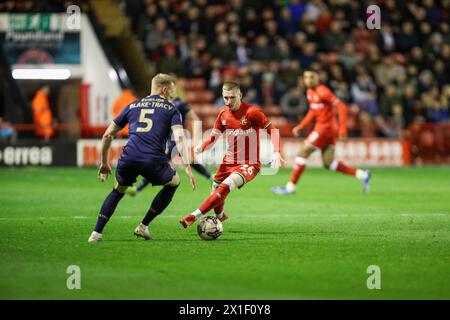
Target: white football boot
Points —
{"points": [[142, 231], [95, 236]]}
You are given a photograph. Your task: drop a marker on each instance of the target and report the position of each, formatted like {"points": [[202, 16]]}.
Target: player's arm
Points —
{"points": [[302, 125], [194, 119], [110, 133], [216, 133], [180, 141]]}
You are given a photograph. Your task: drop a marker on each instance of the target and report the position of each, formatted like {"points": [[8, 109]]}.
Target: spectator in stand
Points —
{"points": [[389, 99], [335, 38], [291, 74], [194, 66], [170, 63], [426, 81], [348, 57], [309, 55], [435, 105], [250, 94], [440, 73], [242, 52], [286, 24], [433, 46], [297, 9], [363, 92], [406, 39], [250, 25], [158, 37], [411, 105], [386, 39], [222, 49], [262, 51], [191, 23], [386, 71], [416, 58], [293, 103]]}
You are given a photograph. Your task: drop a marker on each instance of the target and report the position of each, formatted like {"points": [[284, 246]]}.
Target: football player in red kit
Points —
{"points": [[241, 123], [324, 135]]}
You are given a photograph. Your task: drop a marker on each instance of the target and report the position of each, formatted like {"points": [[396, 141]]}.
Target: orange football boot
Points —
{"points": [[188, 220]]}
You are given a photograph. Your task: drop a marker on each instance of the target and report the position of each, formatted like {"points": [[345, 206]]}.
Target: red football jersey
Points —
{"points": [[242, 133], [321, 102]]}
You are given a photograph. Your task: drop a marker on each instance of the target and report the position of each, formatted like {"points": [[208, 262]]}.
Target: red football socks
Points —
{"points": [[296, 172], [341, 167], [215, 199]]}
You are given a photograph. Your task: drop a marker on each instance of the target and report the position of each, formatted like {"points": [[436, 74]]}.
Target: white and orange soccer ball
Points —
{"points": [[209, 228]]}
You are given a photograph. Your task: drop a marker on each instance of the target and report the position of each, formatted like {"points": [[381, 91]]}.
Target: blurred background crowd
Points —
{"points": [[389, 78]]}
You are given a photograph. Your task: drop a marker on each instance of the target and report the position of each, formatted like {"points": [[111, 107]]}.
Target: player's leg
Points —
{"points": [[299, 167], [219, 210], [107, 209], [329, 162], [169, 178], [217, 198], [202, 170]]}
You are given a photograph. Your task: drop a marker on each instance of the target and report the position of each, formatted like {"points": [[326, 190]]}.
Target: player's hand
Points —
{"points": [[198, 149], [103, 172], [276, 160], [192, 180], [296, 131]]}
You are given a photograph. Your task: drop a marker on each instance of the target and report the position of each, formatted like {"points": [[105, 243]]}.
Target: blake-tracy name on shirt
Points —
{"points": [[152, 103]]}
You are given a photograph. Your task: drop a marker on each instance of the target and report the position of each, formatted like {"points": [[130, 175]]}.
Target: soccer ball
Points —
{"points": [[209, 228]]}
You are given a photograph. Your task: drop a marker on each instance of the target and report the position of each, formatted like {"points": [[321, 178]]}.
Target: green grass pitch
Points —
{"points": [[316, 244]]}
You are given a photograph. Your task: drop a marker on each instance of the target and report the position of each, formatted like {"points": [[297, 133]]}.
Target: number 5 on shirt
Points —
{"points": [[148, 123]]}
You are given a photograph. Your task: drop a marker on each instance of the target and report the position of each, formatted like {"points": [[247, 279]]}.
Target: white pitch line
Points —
{"points": [[297, 215]]}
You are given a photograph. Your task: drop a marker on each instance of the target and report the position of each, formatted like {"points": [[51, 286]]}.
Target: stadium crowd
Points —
{"points": [[388, 78]]}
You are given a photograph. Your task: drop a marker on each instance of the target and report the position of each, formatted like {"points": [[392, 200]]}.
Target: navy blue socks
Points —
{"points": [[107, 209]]}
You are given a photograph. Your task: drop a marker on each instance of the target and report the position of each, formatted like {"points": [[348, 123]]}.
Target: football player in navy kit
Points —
{"points": [[151, 121]]}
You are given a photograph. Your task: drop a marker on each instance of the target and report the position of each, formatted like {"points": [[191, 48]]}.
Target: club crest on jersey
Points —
{"points": [[243, 121], [224, 122]]}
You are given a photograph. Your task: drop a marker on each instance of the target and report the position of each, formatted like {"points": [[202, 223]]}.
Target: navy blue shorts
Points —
{"points": [[157, 174]]}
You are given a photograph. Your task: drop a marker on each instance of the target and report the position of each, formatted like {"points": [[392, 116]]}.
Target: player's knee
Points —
{"points": [[119, 187], [175, 182], [234, 181], [306, 151]]}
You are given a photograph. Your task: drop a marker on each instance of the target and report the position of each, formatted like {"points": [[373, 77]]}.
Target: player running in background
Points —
{"points": [[324, 135], [186, 114], [240, 122], [150, 122]]}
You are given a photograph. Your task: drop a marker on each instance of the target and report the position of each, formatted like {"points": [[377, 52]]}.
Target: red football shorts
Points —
{"points": [[320, 138], [247, 171]]}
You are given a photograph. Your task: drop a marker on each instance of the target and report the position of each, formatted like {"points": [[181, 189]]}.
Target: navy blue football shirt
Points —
{"points": [[182, 106], [149, 125]]}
